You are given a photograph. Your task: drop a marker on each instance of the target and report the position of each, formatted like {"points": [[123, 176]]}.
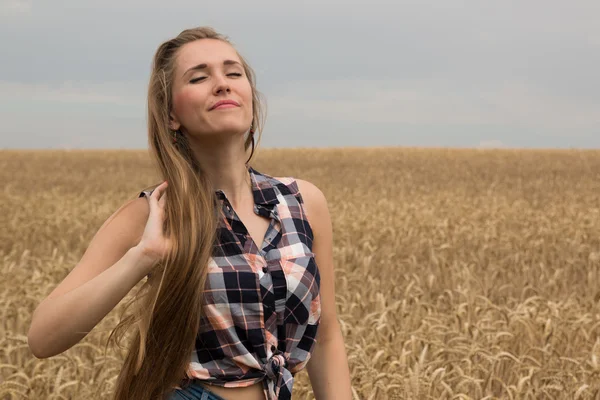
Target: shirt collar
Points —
{"points": [[262, 189]]}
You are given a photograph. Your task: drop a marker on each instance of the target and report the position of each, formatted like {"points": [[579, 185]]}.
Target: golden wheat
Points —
{"points": [[460, 274]]}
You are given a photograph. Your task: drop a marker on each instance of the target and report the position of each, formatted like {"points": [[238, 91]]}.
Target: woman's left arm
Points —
{"points": [[327, 368]]}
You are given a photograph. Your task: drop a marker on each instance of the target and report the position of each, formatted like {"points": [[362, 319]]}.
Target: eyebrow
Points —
{"points": [[200, 67]]}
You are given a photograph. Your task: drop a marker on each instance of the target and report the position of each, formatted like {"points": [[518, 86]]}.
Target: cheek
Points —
{"points": [[248, 97], [184, 102], [248, 93]]}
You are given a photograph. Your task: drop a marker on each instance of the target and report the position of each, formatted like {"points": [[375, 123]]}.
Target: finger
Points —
{"points": [[158, 190], [162, 200]]}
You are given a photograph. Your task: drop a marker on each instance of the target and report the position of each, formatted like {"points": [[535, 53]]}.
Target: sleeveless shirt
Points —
{"points": [[262, 305]]}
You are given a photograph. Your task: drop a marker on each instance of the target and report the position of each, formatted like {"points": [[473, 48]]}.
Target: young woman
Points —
{"points": [[240, 291]]}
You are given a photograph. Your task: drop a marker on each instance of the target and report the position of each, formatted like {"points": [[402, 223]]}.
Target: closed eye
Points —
{"points": [[203, 77]]}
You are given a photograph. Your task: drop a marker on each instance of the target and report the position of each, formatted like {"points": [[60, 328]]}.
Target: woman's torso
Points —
{"points": [[285, 251]]}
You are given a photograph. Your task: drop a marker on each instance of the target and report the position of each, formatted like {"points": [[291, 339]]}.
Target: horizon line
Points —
{"points": [[479, 148]]}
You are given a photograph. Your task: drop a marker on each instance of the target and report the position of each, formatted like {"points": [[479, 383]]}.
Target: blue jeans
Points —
{"points": [[194, 391]]}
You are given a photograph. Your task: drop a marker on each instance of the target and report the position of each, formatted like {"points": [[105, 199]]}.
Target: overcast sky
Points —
{"points": [[73, 73]]}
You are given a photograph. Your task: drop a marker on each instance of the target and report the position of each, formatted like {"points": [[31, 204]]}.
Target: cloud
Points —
{"points": [[433, 101], [115, 93], [15, 7], [491, 144]]}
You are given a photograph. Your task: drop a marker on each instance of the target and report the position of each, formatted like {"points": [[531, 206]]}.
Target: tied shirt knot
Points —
{"points": [[275, 366], [277, 372]]}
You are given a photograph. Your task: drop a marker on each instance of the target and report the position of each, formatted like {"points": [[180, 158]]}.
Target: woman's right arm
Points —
{"points": [[114, 262]]}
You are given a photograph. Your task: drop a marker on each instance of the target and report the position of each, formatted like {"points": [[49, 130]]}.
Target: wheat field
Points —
{"points": [[460, 273]]}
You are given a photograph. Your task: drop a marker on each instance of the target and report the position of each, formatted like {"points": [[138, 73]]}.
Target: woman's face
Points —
{"points": [[208, 71]]}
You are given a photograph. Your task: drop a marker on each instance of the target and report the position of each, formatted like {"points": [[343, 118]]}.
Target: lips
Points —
{"points": [[222, 102]]}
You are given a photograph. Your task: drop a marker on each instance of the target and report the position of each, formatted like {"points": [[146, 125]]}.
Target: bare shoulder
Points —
{"points": [[130, 217], [311, 193], [312, 196], [315, 203]]}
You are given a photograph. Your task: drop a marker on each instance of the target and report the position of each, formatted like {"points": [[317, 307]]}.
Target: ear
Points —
{"points": [[174, 123]]}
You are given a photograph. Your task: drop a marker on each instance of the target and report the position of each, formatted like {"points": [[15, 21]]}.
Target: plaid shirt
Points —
{"points": [[262, 305]]}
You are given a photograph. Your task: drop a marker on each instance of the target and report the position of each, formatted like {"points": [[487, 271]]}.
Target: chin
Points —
{"points": [[232, 130]]}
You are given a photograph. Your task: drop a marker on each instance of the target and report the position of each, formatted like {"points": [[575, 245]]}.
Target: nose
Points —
{"points": [[221, 85]]}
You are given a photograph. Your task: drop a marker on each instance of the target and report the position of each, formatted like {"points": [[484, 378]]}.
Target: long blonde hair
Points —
{"points": [[169, 305]]}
